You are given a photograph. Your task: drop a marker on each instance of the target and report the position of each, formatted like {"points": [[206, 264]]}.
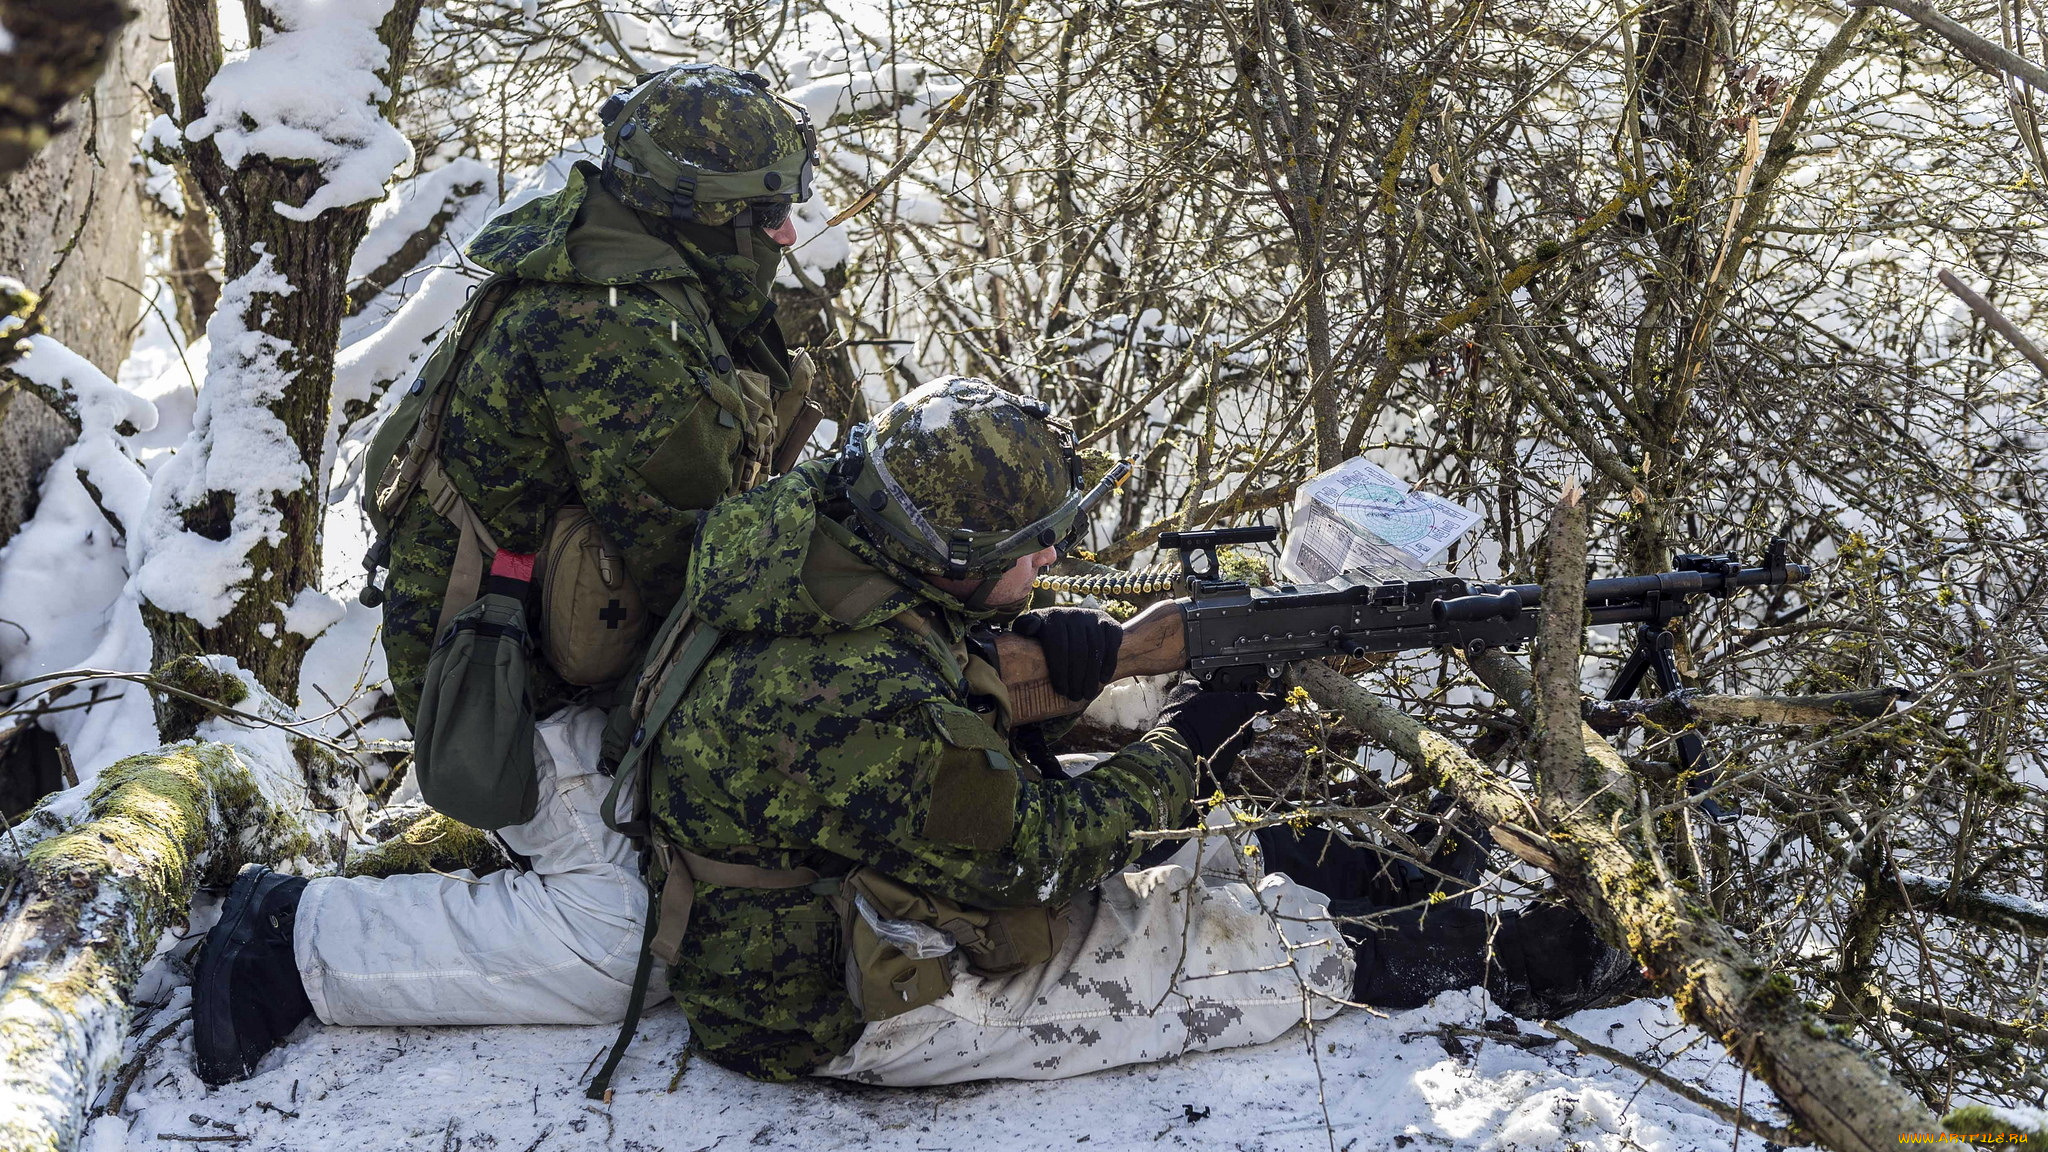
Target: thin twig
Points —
{"points": [[1787, 1137], [952, 108], [136, 1064]]}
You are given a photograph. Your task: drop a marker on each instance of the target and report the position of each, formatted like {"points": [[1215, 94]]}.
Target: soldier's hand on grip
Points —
{"points": [[1216, 725], [1080, 647]]}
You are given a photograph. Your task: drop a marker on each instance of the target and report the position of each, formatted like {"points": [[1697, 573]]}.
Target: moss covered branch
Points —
{"points": [[416, 838], [90, 895], [1590, 834]]}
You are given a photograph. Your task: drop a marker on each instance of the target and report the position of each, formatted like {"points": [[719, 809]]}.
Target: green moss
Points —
{"points": [[149, 810], [1776, 991], [178, 717], [423, 840], [1238, 564], [1982, 1119]]}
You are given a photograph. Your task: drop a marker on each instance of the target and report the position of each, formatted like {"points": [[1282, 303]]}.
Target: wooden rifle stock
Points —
{"points": [[1155, 642]]}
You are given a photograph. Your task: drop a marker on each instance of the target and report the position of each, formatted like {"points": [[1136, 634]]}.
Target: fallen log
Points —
{"points": [[92, 880], [1583, 837]]}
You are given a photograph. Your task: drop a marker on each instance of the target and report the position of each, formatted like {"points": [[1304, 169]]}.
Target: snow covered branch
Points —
{"points": [[293, 144]]}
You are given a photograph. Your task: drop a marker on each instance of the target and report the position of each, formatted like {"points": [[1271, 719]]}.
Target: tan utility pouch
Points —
{"points": [[885, 982], [591, 617]]}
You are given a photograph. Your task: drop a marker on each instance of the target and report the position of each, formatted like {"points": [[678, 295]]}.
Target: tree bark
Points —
{"points": [[313, 258], [1682, 710], [1585, 835], [69, 220]]}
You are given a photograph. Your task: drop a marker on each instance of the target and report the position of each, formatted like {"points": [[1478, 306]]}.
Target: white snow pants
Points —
{"points": [[1197, 954], [554, 945]]}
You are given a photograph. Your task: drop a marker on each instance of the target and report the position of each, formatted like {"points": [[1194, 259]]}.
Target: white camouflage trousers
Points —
{"points": [[1200, 953], [554, 945]]}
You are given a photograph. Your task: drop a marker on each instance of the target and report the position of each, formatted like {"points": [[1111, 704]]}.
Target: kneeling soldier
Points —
{"points": [[864, 874]]}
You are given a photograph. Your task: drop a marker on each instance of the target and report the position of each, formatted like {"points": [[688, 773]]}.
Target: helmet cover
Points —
{"points": [[702, 142], [961, 478]]}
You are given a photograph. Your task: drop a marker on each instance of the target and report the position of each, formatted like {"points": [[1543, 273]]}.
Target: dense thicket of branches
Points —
{"points": [[1682, 251]]}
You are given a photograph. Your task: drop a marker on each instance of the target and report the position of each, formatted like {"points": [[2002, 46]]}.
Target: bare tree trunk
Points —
{"points": [[300, 319]]}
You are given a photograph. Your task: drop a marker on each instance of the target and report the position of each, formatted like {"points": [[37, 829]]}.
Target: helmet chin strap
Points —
{"points": [[743, 234], [978, 599]]}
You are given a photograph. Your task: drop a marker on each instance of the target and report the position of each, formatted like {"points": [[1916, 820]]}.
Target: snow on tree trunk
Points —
{"points": [[95, 877], [292, 144]]}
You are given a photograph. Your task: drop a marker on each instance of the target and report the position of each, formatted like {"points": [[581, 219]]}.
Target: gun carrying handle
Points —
{"points": [[1155, 642]]}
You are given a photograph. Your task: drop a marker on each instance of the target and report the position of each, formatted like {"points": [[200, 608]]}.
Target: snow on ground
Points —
{"points": [[1389, 1082]]}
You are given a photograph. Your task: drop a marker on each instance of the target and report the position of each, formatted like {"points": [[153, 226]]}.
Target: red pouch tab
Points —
{"points": [[513, 565]]}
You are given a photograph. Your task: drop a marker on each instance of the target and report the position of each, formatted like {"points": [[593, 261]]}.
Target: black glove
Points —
{"points": [[1080, 647], [1216, 725]]}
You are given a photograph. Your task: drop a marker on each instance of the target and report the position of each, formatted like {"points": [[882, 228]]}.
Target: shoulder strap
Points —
{"points": [[680, 652], [686, 299], [400, 476], [406, 448], [921, 632]]}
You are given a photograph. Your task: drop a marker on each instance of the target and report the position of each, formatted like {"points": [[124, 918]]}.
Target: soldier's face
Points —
{"points": [[784, 233], [1014, 586]]}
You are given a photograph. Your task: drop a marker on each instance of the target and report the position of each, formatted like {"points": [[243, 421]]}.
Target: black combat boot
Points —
{"points": [[247, 995], [1548, 963], [1540, 963]]}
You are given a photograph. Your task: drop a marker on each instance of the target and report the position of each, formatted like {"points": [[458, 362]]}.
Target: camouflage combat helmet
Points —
{"points": [[704, 143], [960, 479]]}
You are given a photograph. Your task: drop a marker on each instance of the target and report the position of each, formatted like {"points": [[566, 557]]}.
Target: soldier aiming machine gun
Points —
{"points": [[1231, 634]]}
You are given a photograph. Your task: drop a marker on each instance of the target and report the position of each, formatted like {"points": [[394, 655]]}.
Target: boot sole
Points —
{"points": [[216, 1055]]}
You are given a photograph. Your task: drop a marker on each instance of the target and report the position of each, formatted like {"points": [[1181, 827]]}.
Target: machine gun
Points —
{"points": [[1230, 634]]}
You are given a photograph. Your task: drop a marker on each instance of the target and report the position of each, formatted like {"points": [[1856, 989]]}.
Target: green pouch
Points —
{"points": [[473, 744], [882, 980]]}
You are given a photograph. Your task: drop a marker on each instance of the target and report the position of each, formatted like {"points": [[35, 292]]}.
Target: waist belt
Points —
{"points": [[683, 869]]}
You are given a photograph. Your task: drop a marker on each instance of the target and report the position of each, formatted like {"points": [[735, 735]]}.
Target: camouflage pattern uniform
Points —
{"points": [[587, 386], [827, 733]]}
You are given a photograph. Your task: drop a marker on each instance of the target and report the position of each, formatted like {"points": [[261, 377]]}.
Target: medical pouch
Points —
{"points": [[591, 617]]}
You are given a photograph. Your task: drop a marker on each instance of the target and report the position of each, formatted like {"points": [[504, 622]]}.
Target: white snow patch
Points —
{"points": [[238, 446], [1389, 1082], [63, 576], [311, 92], [312, 612]]}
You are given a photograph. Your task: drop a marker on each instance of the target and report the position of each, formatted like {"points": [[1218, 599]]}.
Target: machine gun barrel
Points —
{"points": [[1227, 631]]}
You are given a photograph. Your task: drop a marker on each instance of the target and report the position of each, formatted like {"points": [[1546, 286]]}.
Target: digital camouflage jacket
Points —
{"points": [[822, 735], [586, 388]]}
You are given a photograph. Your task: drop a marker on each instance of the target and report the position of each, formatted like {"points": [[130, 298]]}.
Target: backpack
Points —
{"points": [[472, 751]]}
